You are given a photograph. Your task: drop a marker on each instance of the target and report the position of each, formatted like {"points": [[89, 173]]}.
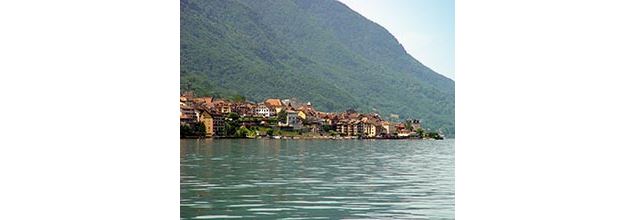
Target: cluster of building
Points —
{"points": [[287, 114]]}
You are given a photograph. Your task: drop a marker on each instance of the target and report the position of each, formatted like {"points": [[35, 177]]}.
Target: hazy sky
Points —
{"points": [[424, 27]]}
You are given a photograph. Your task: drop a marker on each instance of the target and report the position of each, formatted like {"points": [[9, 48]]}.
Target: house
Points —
{"points": [[188, 115], [372, 131], [289, 107], [312, 124], [222, 106], [388, 128], [302, 115], [292, 122], [371, 127], [244, 108], [218, 124], [262, 110], [327, 118], [358, 127], [341, 126], [206, 117], [402, 131], [380, 130], [275, 104], [204, 101], [352, 127], [226, 109]]}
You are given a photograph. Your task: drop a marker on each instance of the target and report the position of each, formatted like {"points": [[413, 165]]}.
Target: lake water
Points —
{"points": [[317, 179]]}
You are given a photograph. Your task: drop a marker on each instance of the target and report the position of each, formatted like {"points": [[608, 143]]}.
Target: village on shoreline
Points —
{"points": [[208, 117]]}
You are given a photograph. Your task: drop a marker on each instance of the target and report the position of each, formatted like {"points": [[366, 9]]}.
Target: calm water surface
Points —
{"points": [[317, 179]]}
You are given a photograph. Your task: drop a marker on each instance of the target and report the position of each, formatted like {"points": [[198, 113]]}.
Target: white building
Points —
{"points": [[263, 110]]}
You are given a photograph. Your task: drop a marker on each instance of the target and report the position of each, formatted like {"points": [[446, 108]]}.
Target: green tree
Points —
{"points": [[185, 131], [269, 131], [242, 132], [193, 130], [409, 125], [434, 135], [199, 129], [238, 98], [273, 121], [420, 132], [233, 115], [282, 116]]}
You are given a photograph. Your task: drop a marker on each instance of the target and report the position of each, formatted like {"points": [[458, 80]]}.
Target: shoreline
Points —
{"points": [[311, 138]]}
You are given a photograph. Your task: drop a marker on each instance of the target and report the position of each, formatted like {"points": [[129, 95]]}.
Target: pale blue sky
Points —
{"points": [[424, 27]]}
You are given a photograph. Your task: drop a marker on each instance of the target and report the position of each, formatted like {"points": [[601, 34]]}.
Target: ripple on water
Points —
{"points": [[248, 196], [322, 187], [217, 216], [310, 181], [311, 202], [316, 207], [270, 183], [357, 208], [202, 206], [265, 213], [304, 218], [313, 180], [269, 209], [246, 205], [302, 194]]}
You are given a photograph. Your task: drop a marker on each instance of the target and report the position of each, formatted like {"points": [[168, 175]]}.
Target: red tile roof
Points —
{"points": [[273, 102]]}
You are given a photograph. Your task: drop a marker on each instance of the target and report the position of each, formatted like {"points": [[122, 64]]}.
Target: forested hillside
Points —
{"points": [[316, 50]]}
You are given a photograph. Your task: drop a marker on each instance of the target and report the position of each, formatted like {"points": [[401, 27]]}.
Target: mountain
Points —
{"points": [[316, 50]]}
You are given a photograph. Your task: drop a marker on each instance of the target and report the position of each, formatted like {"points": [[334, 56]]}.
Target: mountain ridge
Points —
{"points": [[320, 51]]}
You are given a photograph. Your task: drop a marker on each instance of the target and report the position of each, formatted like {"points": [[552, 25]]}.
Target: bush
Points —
{"points": [[185, 131], [269, 131], [193, 130], [242, 132], [233, 115], [434, 135], [420, 132]]}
